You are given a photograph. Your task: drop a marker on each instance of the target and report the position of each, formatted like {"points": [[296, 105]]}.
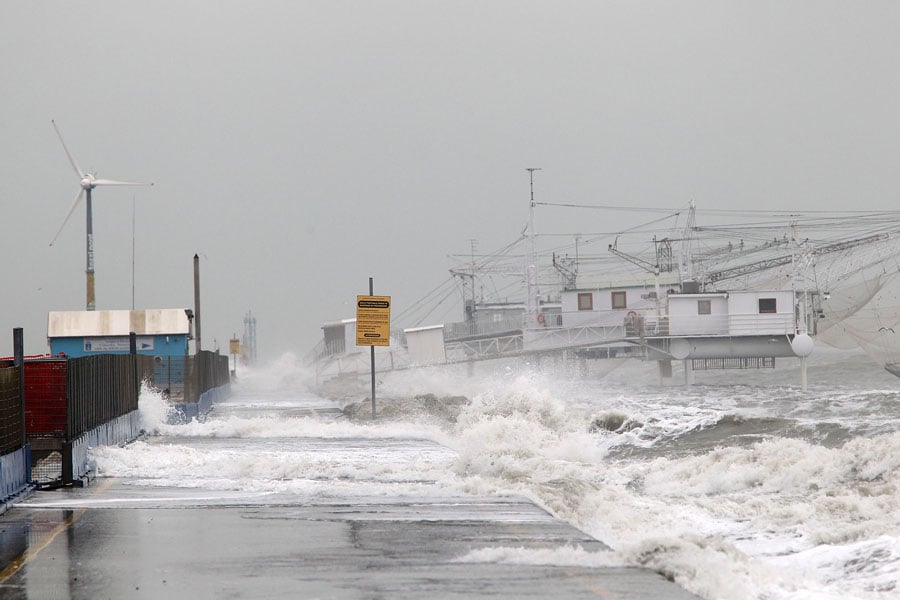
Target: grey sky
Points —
{"points": [[301, 147]]}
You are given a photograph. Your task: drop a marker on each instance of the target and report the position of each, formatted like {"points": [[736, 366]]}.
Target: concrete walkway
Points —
{"points": [[116, 542]]}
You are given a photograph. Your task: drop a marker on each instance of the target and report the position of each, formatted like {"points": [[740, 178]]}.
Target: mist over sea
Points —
{"points": [[740, 486]]}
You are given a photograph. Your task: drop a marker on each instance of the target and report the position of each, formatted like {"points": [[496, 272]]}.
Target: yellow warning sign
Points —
{"points": [[373, 320]]}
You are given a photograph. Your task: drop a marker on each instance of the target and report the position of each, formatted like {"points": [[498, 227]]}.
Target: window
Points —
{"points": [[619, 300], [767, 305], [704, 307], [586, 301]]}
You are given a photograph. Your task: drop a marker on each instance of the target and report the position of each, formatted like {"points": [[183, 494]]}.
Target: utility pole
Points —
{"points": [[470, 303], [472, 244], [532, 301], [197, 343]]}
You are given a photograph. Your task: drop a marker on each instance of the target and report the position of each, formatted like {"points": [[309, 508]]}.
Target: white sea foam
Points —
{"points": [[564, 556], [298, 427], [727, 513]]}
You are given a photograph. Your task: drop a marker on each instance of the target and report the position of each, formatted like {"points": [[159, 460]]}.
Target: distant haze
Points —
{"points": [[302, 147]]}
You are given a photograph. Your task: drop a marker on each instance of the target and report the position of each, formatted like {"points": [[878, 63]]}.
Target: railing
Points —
{"points": [[207, 370], [715, 364], [186, 378], [355, 363], [699, 324], [77, 403], [15, 453], [646, 326], [482, 348], [324, 349], [571, 337], [553, 319], [168, 376], [467, 329], [649, 325], [315, 353], [600, 317], [102, 388], [761, 324]]}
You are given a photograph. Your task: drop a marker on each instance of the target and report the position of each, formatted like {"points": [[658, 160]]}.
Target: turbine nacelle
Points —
{"points": [[87, 183]]}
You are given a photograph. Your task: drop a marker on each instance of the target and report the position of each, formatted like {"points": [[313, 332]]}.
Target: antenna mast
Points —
{"points": [[687, 264], [532, 301], [472, 243], [132, 252], [250, 337]]}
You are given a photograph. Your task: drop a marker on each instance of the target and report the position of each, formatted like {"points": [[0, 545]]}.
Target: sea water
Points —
{"points": [[739, 486]]}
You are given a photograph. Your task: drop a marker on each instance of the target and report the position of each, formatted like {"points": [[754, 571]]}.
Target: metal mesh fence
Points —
{"points": [[10, 410], [167, 375], [46, 466], [210, 370], [101, 388], [184, 378], [67, 398]]}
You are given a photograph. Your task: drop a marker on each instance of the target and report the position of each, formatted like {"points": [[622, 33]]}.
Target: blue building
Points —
{"points": [[160, 332]]}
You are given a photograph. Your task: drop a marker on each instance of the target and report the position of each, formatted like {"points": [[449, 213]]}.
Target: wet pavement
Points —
{"points": [[387, 550], [115, 539]]}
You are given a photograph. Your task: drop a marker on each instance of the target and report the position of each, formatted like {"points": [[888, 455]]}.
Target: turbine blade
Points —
{"points": [[68, 216], [113, 182], [69, 154]]}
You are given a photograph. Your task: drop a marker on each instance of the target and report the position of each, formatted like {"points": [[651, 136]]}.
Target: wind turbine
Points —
{"points": [[88, 183]]}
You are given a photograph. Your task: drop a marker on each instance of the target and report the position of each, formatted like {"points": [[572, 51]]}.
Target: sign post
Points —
{"points": [[373, 326]]}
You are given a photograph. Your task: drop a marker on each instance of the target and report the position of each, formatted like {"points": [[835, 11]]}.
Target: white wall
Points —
{"points": [[426, 345], [603, 314], [734, 313], [685, 320], [350, 337], [744, 317]]}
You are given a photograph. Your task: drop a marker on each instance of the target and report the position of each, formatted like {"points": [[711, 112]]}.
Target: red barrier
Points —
{"points": [[45, 398]]}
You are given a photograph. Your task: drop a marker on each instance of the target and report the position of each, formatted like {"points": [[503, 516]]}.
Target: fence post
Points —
{"points": [[186, 378], [73, 396], [132, 349], [19, 362]]}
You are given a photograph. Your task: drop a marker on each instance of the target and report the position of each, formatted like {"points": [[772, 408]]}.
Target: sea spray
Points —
{"points": [[285, 374], [154, 409]]}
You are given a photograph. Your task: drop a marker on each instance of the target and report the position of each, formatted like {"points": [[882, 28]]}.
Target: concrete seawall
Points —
{"points": [[117, 432], [15, 474]]}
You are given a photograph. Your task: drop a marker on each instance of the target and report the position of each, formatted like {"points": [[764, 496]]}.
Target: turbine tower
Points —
{"points": [[88, 183]]}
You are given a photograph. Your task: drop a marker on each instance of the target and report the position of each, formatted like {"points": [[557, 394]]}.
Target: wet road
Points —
{"points": [[115, 539]]}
